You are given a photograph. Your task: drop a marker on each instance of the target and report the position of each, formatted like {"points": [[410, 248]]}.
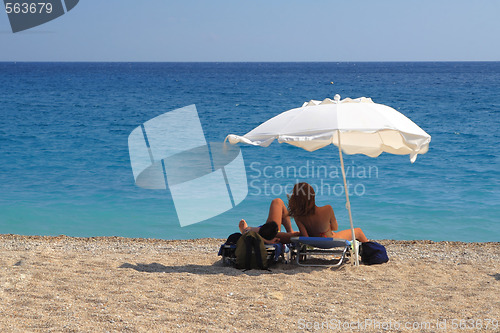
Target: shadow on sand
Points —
{"points": [[217, 268], [496, 276]]}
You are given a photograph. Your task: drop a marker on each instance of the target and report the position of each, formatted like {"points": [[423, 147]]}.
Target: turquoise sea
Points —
{"points": [[65, 166]]}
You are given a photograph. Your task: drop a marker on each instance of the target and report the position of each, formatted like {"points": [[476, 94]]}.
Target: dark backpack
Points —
{"points": [[373, 253], [251, 251], [233, 238]]}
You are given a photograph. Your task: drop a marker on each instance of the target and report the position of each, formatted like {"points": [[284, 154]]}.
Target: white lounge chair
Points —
{"points": [[339, 250]]}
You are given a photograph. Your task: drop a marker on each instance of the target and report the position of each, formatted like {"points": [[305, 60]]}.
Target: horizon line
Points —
{"points": [[251, 61]]}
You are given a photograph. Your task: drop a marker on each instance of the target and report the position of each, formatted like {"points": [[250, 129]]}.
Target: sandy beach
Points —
{"points": [[112, 284]]}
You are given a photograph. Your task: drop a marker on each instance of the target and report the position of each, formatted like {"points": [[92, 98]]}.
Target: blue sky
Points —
{"points": [[254, 30]]}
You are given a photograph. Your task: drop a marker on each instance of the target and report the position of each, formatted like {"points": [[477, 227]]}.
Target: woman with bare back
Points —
{"points": [[316, 221], [313, 221]]}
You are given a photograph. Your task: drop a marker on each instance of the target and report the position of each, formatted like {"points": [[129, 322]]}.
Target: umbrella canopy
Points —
{"points": [[366, 128], [355, 126]]}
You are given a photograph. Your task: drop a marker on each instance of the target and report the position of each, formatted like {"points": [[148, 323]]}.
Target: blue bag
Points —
{"points": [[373, 253]]}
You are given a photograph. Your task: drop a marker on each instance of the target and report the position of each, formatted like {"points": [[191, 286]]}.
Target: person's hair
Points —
{"points": [[269, 230], [301, 202]]}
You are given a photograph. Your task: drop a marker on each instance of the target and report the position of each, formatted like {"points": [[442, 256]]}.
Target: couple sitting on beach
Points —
{"points": [[313, 221]]}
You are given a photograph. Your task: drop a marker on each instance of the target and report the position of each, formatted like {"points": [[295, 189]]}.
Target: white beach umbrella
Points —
{"points": [[355, 126]]}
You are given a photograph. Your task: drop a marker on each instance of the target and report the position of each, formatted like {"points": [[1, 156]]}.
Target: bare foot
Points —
{"points": [[243, 225]]}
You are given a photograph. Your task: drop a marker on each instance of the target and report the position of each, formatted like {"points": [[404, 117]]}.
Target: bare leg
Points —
{"points": [[284, 237], [279, 214], [245, 228], [347, 234]]}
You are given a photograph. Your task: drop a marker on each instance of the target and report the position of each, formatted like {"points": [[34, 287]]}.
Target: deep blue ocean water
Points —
{"points": [[65, 167]]}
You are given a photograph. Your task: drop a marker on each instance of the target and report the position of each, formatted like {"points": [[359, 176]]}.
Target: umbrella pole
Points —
{"points": [[348, 204]]}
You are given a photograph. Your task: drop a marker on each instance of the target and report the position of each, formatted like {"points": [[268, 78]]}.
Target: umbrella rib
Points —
{"points": [[381, 140], [291, 120]]}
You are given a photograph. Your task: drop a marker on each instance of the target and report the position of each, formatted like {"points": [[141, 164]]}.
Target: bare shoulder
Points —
{"points": [[326, 208]]}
